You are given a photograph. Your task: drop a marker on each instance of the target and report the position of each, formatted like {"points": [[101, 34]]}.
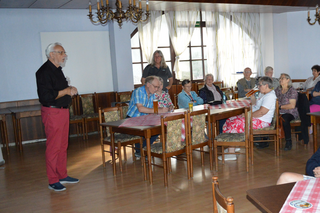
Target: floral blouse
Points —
{"points": [[284, 99], [164, 99]]}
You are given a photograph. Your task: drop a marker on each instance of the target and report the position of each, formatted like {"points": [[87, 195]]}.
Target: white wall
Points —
{"points": [[296, 44], [21, 53]]}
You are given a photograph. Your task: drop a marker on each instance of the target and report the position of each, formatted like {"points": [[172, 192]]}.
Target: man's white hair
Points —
{"points": [[51, 47]]}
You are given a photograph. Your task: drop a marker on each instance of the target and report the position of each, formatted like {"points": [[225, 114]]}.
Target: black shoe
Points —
{"points": [[288, 146]]}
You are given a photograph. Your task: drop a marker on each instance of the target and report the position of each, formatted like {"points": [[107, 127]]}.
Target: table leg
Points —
{"points": [[19, 135], [149, 157], [113, 153], [15, 129], [315, 142]]}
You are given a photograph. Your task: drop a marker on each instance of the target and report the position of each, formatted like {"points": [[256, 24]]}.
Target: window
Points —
{"points": [[193, 62]]}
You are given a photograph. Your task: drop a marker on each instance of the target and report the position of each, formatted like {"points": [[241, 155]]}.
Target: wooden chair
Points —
{"points": [[89, 111], [4, 132], [221, 204], [170, 143], [271, 131], [125, 108], [198, 137], [123, 96], [199, 86], [120, 140], [75, 118], [219, 84], [234, 139]]}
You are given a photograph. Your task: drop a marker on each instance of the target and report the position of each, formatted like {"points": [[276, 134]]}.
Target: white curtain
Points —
{"points": [[235, 44], [181, 25], [149, 34]]}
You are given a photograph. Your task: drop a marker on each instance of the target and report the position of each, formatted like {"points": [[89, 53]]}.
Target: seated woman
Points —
{"points": [[313, 80], [312, 171], [315, 99], [287, 97], [186, 95], [163, 97], [210, 92], [262, 111]]}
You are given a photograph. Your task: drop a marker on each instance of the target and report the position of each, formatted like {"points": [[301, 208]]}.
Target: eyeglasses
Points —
{"points": [[156, 87], [260, 85], [60, 52]]}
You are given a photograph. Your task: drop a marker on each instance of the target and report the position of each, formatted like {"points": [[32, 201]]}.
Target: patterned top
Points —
{"points": [[164, 99], [284, 99], [309, 83], [139, 96]]}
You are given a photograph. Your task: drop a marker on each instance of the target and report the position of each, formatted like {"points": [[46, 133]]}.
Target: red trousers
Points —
{"points": [[56, 123]]}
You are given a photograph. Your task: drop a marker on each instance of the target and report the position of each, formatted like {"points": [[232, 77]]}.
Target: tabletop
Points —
{"points": [[271, 198]]}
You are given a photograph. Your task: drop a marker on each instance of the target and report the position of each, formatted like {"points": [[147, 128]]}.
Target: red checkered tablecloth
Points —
{"points": [[306, 190], [233, 104]]}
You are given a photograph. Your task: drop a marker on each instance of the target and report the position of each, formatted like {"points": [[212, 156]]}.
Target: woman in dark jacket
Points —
{"points": [[210, 93]]}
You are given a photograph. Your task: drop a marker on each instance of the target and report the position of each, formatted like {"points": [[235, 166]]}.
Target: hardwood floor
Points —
{"points": [[24, 186]]}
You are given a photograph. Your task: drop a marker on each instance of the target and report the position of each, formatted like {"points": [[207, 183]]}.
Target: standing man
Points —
{"points": [[55, 97], [158, 67], [245, 84], [141, 103]]}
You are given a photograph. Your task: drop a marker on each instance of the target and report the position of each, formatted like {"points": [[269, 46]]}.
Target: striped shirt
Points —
{"points": [[139, 96]]}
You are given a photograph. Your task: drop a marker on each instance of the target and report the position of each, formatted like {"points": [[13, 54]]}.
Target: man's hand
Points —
{"points": [[73, 91], [163, 110]]}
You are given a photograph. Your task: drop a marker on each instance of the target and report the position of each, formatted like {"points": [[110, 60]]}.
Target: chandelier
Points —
{"points": [[104, 13], [317, 19]]}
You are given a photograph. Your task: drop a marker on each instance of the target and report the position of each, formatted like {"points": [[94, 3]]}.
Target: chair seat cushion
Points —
{"points": [[157, 147], [231, 137], [271, 127], [122, 137], [296, 121]]}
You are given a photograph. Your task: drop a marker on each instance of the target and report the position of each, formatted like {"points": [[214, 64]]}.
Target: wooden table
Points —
{"points": [[4, 131], [22, 112], [148, 131], [271, 198], [316, 120]]}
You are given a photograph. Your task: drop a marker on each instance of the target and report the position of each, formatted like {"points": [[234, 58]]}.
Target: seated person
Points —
{"points": [[245, 84], [312, 171], [313, 80], [186, 96], [262, 112], [210, 92], [163, 97], [287, 97], [141, 103], [315, 99], [268, 71]]}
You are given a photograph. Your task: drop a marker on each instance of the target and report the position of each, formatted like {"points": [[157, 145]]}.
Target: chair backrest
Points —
{"points": [[221, 204], [125, 108], [109, 114], [199, 86], [171, 132], [197, 129], [123, 96], [219, 84], [88, 103]]}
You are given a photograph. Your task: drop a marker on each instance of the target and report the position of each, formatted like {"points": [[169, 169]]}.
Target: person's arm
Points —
{"points": [[253, 99], [198, 99], [203, 96], [170, 83], [291, 105], [313, 163], [183, 101], [260, 112]]}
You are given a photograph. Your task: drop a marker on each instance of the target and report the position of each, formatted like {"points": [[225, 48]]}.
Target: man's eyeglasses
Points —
{"points": [[156, 87], [60, 52]]}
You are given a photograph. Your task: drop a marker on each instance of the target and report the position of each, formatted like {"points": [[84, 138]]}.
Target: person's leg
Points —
{"points": [[64, 137], [287, 130], [289, 177], [152, 139], [49, 119], [221, 123]]}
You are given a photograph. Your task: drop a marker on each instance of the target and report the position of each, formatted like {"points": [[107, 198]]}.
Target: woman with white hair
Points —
{"points": [[210, 92]]}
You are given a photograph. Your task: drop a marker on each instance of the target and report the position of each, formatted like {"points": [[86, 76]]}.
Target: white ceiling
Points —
{"points": [[153, 5]]}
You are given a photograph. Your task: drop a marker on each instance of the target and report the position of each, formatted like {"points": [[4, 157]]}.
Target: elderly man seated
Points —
{"points": [[262, 112], [141, 103], [245, 84]]}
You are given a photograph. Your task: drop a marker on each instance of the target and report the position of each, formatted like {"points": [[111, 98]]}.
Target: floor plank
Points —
{"points": [[24, 187]]}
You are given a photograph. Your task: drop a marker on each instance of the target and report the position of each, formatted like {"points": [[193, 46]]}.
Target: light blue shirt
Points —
{"points": [[139, 96], [184, 99]]}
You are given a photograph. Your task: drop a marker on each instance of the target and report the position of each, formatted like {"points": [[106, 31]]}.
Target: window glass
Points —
{"points": [[185, 55], [166, 53], [196, 53], [137, 74], [197, 70], [196, 37], [135, 55], [185, 69], [135, 40]]}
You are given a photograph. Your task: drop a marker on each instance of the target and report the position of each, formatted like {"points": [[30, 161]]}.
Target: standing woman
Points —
{"points": [[158, 67], [287, 97], [186, 95]]}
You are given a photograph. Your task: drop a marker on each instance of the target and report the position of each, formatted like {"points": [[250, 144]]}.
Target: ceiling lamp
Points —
{"points": [[316, 15], [104, 13]]}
